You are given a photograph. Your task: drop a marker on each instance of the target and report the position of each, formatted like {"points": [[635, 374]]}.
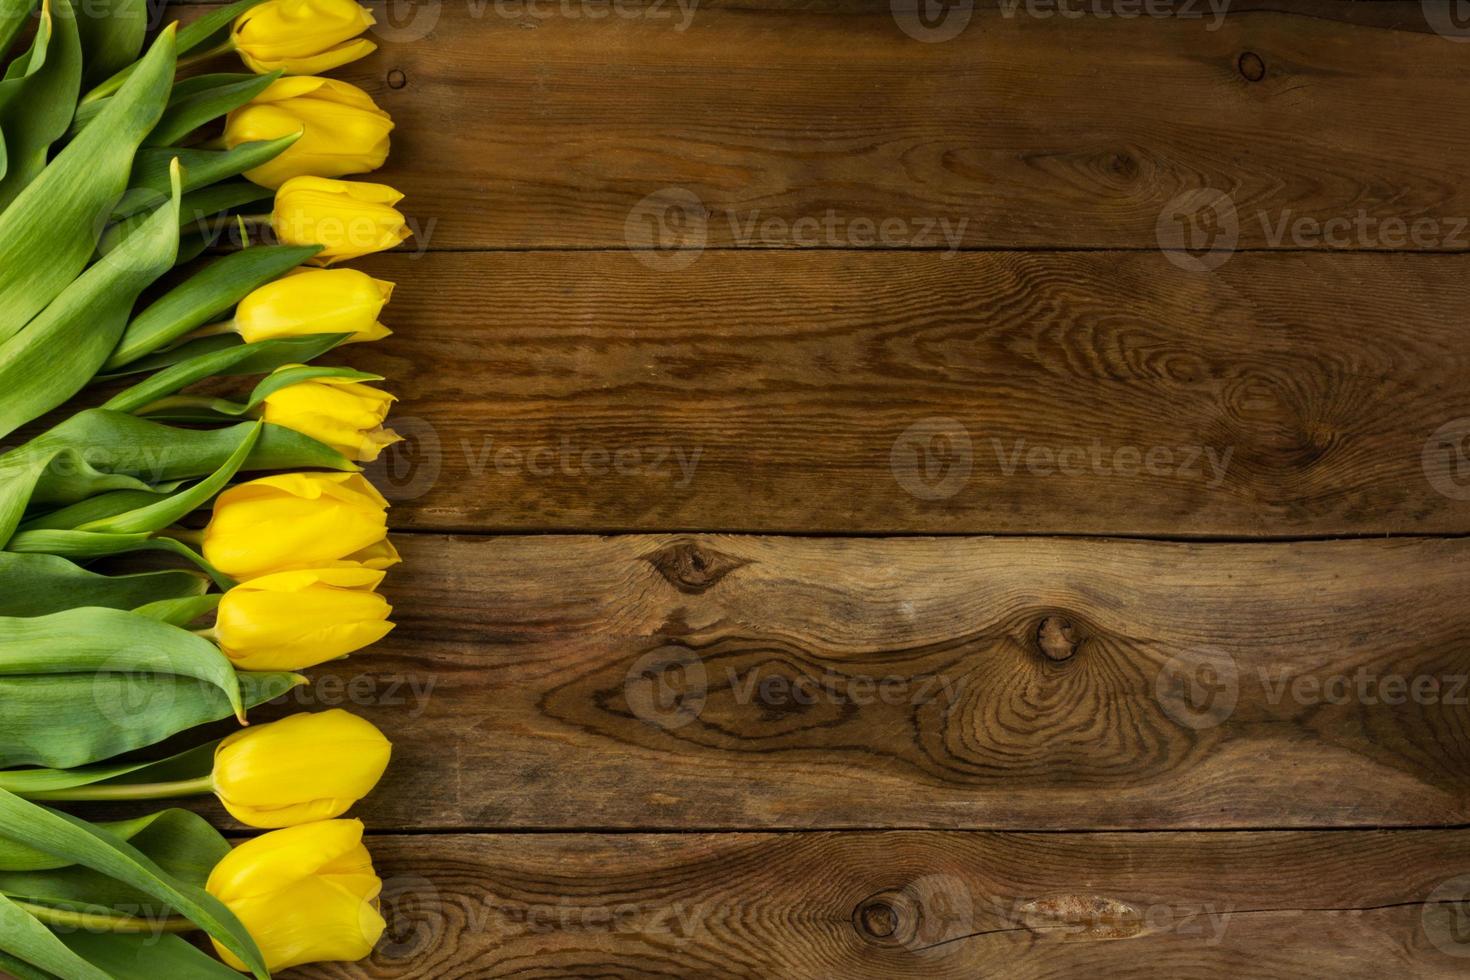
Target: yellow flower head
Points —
{"points": [[300, 769], [344, 414], [297, 619], [312, 301], [298, 520], [342, 129], [302, 37], [347, 218], [306, 894]]}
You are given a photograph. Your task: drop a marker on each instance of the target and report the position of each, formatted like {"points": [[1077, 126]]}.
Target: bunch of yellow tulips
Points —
{"points": [[284, 574]]}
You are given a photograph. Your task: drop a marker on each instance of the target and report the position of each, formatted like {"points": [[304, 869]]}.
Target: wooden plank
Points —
{"points": [[521, 127], [709, 682], [926, 905], [1108, 393]]}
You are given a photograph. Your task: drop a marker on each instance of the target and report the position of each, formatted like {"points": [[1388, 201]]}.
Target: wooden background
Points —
{"points": [[1068, 720]]}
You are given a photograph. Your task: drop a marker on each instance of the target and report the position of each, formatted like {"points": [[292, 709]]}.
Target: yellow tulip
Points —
{"points": [[312, 301], [342, 129], [302, 37], [300, 769], [299, 618], [306, 894], [347, 218], [298, 520], [344, 414]]}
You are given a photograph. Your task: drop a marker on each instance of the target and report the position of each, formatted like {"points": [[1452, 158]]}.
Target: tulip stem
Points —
{"points": [[96, 922], [184, 534], [114, 83], [128, 791]]}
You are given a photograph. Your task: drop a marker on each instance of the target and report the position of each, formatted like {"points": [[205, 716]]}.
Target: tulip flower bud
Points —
{"points": [[297, 619], [298, 520], [300, 769], [348, 219], [344, 414], [302, 37], [312, 301], [342, 129], [306, 894]]}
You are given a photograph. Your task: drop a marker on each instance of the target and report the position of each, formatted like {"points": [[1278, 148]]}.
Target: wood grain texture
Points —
{"points": [[1110, 393], [719, 682], [525, 127], [932, 905]]}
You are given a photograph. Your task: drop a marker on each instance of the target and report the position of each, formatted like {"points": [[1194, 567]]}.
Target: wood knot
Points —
{"points": [[1252, 68], [397, 79], [885, 919], [692, 569], [1057, 637], [876, 918]]}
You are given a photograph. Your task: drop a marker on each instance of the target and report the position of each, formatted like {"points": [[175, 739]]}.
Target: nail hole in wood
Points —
{"points": [[1252, 68], [397, 79]]}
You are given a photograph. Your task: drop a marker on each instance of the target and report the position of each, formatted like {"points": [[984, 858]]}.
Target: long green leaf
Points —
{"points": [[22, 970], [212, 26], [113, 32], [203, 297], [35, 105], [195, 210], [59, 784], [209, 97], [222, 409], [15, 856], [50, 231], [35, 585], [25, 937], [85, 321], [96, 640], [66, 836], [150, 182], [147, 957], [73, 720], [261, 357]]}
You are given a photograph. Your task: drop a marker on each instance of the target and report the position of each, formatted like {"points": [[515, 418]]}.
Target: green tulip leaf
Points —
{"points": [[15, 856], [23, 970], [50, 230], [23, 936], [100, 641], [261, 357], [112, 36], [222, 409], [96, 544], [13, 15], [208, 294], [203, 99], [37, 96], [35, 585], [160, 514], [180, 612], [85, 320], [201, 168], [93, 782], [97, 508], [147, 957], [194, 210], [67, 720], [68, 837]]}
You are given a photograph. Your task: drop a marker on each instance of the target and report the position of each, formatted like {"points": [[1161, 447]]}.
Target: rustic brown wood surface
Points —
{"points": [[1109, 393], [936, 905], [1059, 752]]}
